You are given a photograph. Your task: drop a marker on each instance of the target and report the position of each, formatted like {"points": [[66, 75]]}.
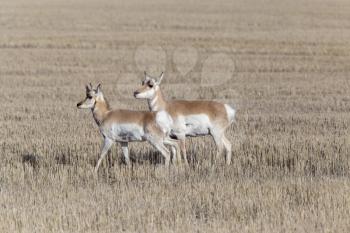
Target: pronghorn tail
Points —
{"points": [[231, 112]]}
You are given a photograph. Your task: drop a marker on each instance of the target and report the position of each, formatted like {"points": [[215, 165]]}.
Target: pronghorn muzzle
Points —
{"points": [[136, 93], [78, 105]]}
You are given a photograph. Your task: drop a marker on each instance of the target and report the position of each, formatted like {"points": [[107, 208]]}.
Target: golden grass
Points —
{"points": [[290, 84]]}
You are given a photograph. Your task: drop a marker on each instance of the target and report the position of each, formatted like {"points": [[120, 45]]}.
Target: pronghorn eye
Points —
{"points": [[150, 84]]}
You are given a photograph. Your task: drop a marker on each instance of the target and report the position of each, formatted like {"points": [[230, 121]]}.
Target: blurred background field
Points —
{"points": [[285, 65]]}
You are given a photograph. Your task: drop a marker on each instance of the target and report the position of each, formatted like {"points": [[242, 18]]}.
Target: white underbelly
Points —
{"points": [[124, 132], [197, 125]]}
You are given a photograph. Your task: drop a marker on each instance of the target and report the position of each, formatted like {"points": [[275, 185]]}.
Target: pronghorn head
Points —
{"points": [[149, 87], [92, 96]]}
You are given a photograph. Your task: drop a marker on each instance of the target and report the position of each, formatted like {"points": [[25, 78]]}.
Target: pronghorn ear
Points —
{"points": [[98, 88], [160, 78], [87, 88], [146, 76]]}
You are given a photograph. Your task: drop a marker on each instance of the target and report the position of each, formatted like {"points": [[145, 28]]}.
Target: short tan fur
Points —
{"points": [[125, 126], [190, 118]]}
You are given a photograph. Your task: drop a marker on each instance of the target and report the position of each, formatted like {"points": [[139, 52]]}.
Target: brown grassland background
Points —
{"points": [[285, 65]]}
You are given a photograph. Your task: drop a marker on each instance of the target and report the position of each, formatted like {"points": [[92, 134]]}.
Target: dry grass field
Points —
{"points": [[285, 65]]}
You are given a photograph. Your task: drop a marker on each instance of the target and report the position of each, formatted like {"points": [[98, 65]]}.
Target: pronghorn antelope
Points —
{"points": [[190, 118], [125, 126]]}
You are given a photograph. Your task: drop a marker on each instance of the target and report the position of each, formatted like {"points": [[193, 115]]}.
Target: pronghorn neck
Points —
{"points": [[157, 102], [100, 110]]}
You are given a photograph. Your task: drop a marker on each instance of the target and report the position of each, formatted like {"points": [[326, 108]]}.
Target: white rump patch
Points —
{"points": [[230, 113]]}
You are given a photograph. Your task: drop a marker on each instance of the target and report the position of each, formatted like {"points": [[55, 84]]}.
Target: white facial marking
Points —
{"points": [[88, 103], [146, 94]]}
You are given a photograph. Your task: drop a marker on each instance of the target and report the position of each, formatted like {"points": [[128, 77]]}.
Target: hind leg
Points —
{"points": [[182, 140], [175, 149], [228, 148], [125, 149], [219, 142]]}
